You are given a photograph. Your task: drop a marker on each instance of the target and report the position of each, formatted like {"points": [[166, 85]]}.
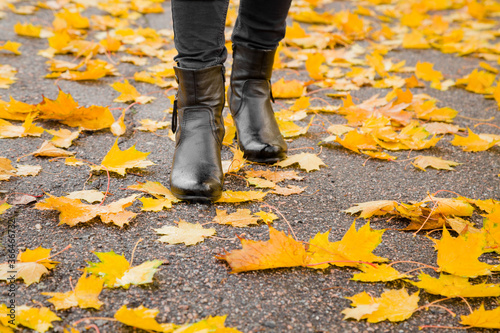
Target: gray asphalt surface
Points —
{"points": [[193, 284]]}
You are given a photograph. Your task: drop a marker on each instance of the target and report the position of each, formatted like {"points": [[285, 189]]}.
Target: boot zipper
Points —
{"points": [[174, 117], [271, 91]]}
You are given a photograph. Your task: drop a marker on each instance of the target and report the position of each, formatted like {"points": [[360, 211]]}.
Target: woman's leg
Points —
{"points": [[260, 26], [197, 117], [199, 32]]}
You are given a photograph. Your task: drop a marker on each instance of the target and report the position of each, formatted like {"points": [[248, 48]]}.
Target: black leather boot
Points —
{"points": [[197, 171], [250, 96]]}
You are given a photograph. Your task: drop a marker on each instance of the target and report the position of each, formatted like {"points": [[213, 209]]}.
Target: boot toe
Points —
{"points": [[266, 153], [194, 189]]}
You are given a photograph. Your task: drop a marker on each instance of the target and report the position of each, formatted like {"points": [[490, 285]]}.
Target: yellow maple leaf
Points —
{"points": [[354, 248], [7, 130], [260, 182], [49, 150], [274, 176], [241, 196], [116, 271], [238, 161], [392, 305], [378, 273], [29, 30], [424, 71], [118, 161], [73, 211], [279, 251], [129, 93], [31, 265], [91, 196], [85, 295], [184, 232], [40, 255], [455, 286], [39, 319], [4, 206], [423, 162], [155, 189], [289, 190], [63, 138], [306, 161], [313, 65], [459, 256], [415, 40], [66, 110], [142, 318], [472, 142], [295, 31], [491, 229], [267, 217], [6, 169], [11, 47], [482, 318], [353, 140], [150, 125], [240, 218], [287, 89], [373, 208]]}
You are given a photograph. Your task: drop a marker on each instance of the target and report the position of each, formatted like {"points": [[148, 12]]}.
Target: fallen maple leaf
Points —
{"points": [[39, 319], [372, 208], [118, 161], [142, 318], [392, 305], [7, 130], [313, 65], [129, 93], [260, 183], [63, 138], [267, 217], [150, 125], [306, 161], [483, 318], [378, 273], [11, 47], [91, 196], [459, 256], [31, 265], [274, 176], [279, 251], [117, 272], [355, 247], [241, 196], [241, 218], [73, 211], [289, 190], [49, 150], [423, 162], [3, 207], [6, 169], [424, 71], [184, 232], [287, 89], [455, 286], [473, 142], [85, 295]]}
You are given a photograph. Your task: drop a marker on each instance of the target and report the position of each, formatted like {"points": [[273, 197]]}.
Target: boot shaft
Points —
{"points": [[200, 87], [252, 63]]}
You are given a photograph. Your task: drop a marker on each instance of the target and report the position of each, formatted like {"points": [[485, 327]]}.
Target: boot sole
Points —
{"points": [[197, 198]]}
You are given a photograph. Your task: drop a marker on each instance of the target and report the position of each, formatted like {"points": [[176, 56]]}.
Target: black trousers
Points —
{"points": [[199, 28]]}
